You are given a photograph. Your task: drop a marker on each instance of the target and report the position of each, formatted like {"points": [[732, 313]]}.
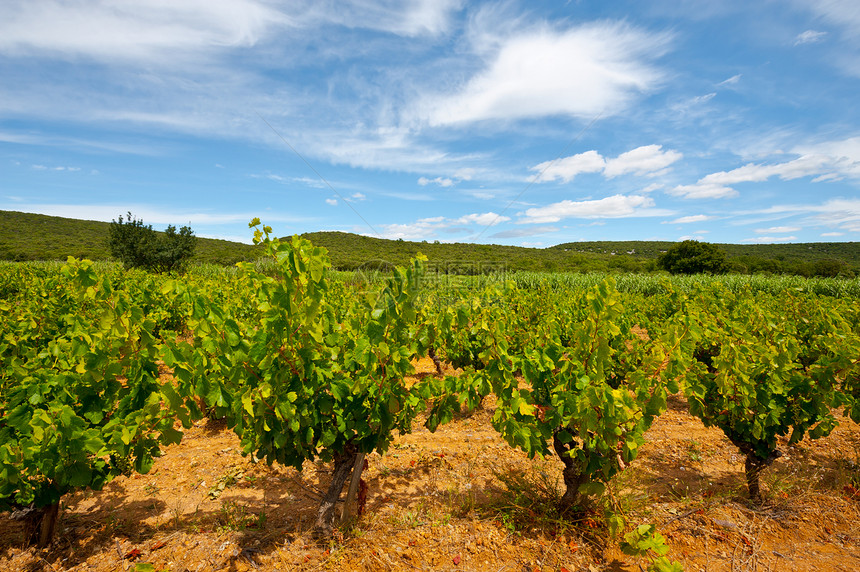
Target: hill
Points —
{"points": [[26, 236]]}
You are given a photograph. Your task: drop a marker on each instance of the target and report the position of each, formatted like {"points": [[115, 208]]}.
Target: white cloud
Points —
{"points": [[358, 196], [843, 156], [778, 229], [332, 202], [385, 148], [431, 227], [804, 166], [651, 188], [824, 161], [485, 219], [569, 167], [842, 214], [648, 160], [616, 206], [770, 239], [809, 37], [441, 181], [579, 72], [832, 234], [465, 174], [690, 219]]}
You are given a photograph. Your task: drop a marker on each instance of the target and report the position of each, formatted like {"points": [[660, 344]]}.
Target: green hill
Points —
{"points": [[38, 237], [25, 236]]}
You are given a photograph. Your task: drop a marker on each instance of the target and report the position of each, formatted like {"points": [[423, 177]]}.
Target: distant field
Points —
{"points": [[26, 236]]}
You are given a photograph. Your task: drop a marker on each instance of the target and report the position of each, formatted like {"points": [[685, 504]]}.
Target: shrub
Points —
{"points": [[693, 257], [138, 246]]}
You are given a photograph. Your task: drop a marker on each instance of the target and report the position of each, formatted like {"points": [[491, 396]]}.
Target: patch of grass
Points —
{"points": [[234, 516], [694, 450], [529, 503]]}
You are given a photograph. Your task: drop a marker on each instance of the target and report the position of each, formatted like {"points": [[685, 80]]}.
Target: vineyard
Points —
{"points": [[285, 416]]}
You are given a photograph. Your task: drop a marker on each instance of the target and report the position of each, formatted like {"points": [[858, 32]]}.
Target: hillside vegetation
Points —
{"points": [[26, 236]]}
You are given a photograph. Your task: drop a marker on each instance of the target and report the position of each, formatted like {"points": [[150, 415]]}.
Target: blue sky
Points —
{"points": [[522, 122]]}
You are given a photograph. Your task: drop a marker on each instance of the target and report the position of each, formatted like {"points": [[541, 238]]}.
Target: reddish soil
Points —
{"points": [[455, 500]]}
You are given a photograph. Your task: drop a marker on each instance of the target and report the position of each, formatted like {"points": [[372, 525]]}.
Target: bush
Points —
{"points": [[693, 257], [138, 246]]}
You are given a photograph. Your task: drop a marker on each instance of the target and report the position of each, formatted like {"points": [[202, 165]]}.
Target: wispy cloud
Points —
{"points": [[840, 213], [730, 81], [441, 181], [40, 139], [140, 30], [523, 232], [434, 227], [827, 161], [809, 37], [56, 168], [770, 239], [616, 206], [410, 18], [689, 219], [778, 229], [703, 190], [150, 214]]}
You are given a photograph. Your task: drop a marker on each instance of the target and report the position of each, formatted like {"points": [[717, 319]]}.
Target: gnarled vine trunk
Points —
{"points": [[327, 514], [572, 500], [39, 524], [753, 466]]}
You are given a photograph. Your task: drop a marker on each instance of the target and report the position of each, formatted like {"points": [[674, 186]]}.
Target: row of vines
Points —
{"points": [[101, 369]]}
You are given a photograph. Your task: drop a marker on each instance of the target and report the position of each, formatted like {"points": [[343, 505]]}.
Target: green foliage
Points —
{"points": [[80, 396], [769, 367], [592, 387], [25, 236], [645, 541], [693, 257], [138, 246], [304, 370], [306, 363]]}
